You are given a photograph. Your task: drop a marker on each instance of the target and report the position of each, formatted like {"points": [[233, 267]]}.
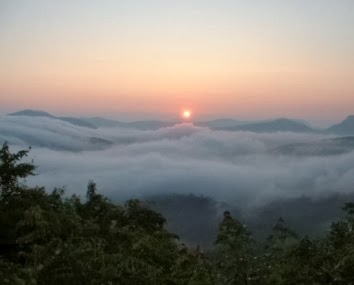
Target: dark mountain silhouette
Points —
{"points": [[344, 128], [150, 125], [305, 215], [222, 123], [278, 125], [103, 143], [195, 218], [77, 122], [139, 125], [99, 122], [38, 113], [32, 113], [324, 147]]}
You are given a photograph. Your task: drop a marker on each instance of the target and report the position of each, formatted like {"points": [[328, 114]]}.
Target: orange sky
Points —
{"points": [[230, 59]]}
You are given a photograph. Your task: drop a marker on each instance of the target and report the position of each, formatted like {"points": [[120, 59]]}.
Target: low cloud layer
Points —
{"points": [[239, 167]]}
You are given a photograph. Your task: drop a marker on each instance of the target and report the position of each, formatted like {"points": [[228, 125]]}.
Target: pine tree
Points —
{"points": [[234, 252]]}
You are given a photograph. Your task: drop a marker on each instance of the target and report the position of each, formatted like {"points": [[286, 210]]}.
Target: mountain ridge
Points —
{"points": [[346, 127], [276, 125], [39, 113]]}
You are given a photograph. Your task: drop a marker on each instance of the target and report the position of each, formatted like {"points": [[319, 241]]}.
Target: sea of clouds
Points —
{"points": [[243, 168]]}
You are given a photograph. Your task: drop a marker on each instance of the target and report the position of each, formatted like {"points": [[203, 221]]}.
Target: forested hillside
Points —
{"points": [[51, 238]]}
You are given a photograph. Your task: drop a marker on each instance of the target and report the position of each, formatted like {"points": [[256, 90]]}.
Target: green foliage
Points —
{"points": [[50, 238], [47, 238], [234, 252], [11, 170], [280, 246], [339, 249]]}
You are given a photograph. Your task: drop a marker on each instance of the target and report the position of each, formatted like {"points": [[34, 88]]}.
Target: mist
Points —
{"points": [[242, 168]]}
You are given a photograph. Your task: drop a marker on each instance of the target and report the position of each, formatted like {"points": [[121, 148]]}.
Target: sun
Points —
{"points": [[186, 114]]}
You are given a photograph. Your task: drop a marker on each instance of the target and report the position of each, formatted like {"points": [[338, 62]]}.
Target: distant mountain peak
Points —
{"points": [[350, 118], [39, 113], [346, 127], [276, 125], [32, 113]]}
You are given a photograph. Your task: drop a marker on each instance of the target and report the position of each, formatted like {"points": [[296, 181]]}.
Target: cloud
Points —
{"points": [[237, 167]]}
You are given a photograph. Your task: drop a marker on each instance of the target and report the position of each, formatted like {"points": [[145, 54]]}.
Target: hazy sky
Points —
{"points": [[246, 59]]}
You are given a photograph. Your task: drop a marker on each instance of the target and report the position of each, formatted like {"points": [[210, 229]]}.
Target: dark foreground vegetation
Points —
{"points": [[47, 238]]}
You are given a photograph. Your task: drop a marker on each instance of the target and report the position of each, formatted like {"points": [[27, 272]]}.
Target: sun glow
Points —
{"points": [[186, 114]]}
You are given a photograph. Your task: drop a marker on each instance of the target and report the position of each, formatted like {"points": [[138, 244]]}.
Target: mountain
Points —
{"points": [[103, 122], [37, 113], [32, 113], [149, 125], [139, 125], [196, 218], [97, 122], [77, 122], [344, 128], [100, 142], [324, 147], [221, 123], [278, 125]]}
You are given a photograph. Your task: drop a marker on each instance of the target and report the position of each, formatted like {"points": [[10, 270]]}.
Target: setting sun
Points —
{"points": [[186, 114]]}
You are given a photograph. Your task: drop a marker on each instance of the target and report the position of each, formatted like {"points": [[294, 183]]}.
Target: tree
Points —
{"points": [[233, 252], [277, 258], [339, 249], [49, 238], [11, 170], [12, 206]]}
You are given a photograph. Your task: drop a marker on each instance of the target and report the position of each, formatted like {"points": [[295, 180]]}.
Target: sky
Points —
{"points": [[151, 59]]}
